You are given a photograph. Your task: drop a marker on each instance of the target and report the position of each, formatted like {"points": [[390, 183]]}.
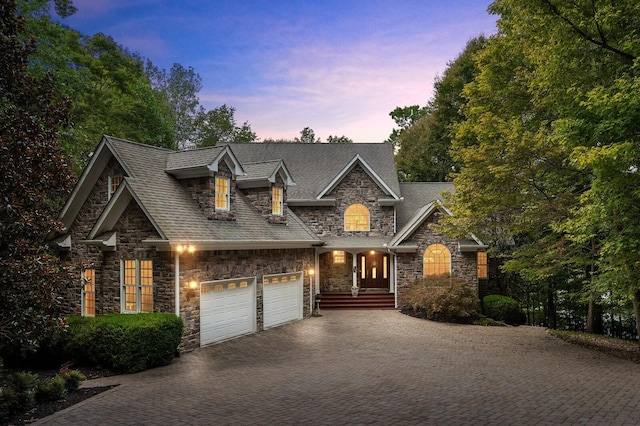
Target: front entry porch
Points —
{"points": [[369, 270]]}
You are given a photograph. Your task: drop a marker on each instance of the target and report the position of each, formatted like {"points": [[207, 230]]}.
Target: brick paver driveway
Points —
{"points": [[375, 367]]}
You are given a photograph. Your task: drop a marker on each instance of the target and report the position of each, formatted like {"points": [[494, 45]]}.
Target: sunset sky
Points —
{"points": [[338, 67]]}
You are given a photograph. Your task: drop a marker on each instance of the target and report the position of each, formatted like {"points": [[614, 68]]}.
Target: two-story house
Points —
{"points": [[242, 237]]}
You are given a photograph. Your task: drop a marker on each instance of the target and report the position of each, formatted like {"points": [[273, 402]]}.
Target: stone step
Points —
{"points": [[364, 300]]}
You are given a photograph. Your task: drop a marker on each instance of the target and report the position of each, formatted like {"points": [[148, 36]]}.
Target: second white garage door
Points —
{"points": [[227, 309], [282, 298]]}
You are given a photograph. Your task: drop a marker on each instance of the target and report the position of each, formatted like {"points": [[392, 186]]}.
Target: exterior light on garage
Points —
{"points": [[185, 248], [193, 284], [311, 272]]}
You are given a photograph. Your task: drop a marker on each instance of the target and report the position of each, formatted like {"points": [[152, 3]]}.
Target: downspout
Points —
{"points": [[176, 270]]}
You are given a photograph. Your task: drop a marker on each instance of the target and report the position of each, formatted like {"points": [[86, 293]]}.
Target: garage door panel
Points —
{"points": [[226, 311], [282, 299]]}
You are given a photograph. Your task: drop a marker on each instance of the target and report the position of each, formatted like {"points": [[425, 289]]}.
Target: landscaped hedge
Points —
{"points": [[503, 308], [125, 343], [441, 299]]}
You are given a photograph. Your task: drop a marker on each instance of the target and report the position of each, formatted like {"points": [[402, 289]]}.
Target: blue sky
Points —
{"points": [[338, 67]]}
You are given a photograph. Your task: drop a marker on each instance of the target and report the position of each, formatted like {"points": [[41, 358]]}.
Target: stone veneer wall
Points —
{"points": [[335, 277], [261, 199], [222, 265], [83, 256], [203, 192], [356, 187], [409, 266]]}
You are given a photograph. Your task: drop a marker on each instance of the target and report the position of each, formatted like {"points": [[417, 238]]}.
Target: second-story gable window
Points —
{"points": [[356, 218], [276, 201], [223, 186], [114, 182]]}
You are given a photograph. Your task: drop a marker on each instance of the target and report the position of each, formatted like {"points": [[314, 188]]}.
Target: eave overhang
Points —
{"points": [[209, 245], [325, 202]]}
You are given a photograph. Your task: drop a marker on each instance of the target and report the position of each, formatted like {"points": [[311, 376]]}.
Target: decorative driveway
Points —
{"points": [[374, 367]]}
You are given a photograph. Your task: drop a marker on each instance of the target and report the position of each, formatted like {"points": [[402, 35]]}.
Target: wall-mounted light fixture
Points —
{"points": [[192, 286]]}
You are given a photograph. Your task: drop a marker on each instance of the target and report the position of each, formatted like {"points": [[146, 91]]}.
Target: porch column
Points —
{"points": [[354, 257]]}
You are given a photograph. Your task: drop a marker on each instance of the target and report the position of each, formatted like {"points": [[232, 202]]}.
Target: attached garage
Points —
{"points": [[282, 298], [227, 309]]}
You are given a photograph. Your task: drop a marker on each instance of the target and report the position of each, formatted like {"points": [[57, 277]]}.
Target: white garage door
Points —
{"points": [[282, 298], [227, 309]]}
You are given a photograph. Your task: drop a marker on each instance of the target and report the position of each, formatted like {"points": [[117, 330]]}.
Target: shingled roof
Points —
{"points": [[177, 217], [314, 166]]}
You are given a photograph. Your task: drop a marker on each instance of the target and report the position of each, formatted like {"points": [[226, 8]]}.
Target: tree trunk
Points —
{"points": [[636, 311], [594, 318]]}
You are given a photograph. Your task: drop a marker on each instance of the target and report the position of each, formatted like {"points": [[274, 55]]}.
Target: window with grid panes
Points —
{"points": [[137, 285], [482, 265], [114, 182], [222, 193], [356, 218], [437, 260], [276, 201], [88, 292]]}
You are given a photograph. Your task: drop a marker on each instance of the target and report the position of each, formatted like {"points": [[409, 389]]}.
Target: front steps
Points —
{"points": [[365, 300]]}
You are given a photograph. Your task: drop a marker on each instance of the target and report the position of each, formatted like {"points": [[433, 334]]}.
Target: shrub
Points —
{"points": [[126, 342], [442, 299], [503, 308], [24, 386], [54, 388], [72, 380]]}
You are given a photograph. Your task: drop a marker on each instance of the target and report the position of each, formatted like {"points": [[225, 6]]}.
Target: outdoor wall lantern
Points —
{"points": [[192, 286]]}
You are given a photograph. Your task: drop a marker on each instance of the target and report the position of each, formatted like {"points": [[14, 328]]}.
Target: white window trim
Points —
{"points": [[138, 286], [280, 203], [227, 195]]}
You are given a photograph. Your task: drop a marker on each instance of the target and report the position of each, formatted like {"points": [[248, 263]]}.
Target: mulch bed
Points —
{"points": [[47, 408]]}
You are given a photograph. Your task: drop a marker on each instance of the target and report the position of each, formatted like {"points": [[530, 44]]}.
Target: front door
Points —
{"points": [[373, 269]]}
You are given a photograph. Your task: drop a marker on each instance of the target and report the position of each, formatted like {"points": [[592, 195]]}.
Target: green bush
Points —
{"points": [[53, 389], [24, 386], [442, 299], [503, 308], [125, 342], [72, 379]]}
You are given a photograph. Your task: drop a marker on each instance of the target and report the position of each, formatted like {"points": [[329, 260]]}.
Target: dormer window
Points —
{"points": [[222, 193], [356, 218], [114, 182], [276, 201]]}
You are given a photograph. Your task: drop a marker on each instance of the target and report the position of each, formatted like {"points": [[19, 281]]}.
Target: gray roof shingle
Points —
{"points": [[178, 216], [417, 195], [314, 166]]}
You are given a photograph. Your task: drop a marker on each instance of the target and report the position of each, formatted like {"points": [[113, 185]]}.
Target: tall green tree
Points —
{"points": [[36, 178], [219, 126], [404, 117], [307, 135], [425, 145], [533, 134]]}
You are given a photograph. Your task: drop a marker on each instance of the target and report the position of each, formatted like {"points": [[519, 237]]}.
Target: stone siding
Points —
{"points": [[203, 192], [356, 187], [261, 199], [409, 266], [335, 277]]}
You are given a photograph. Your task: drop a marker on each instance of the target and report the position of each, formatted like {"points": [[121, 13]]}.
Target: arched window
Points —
{"points": [[437, 261], [356, 218]]}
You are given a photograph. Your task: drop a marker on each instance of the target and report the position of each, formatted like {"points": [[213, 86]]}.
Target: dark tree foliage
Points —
{"points": [[36, 177]]}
